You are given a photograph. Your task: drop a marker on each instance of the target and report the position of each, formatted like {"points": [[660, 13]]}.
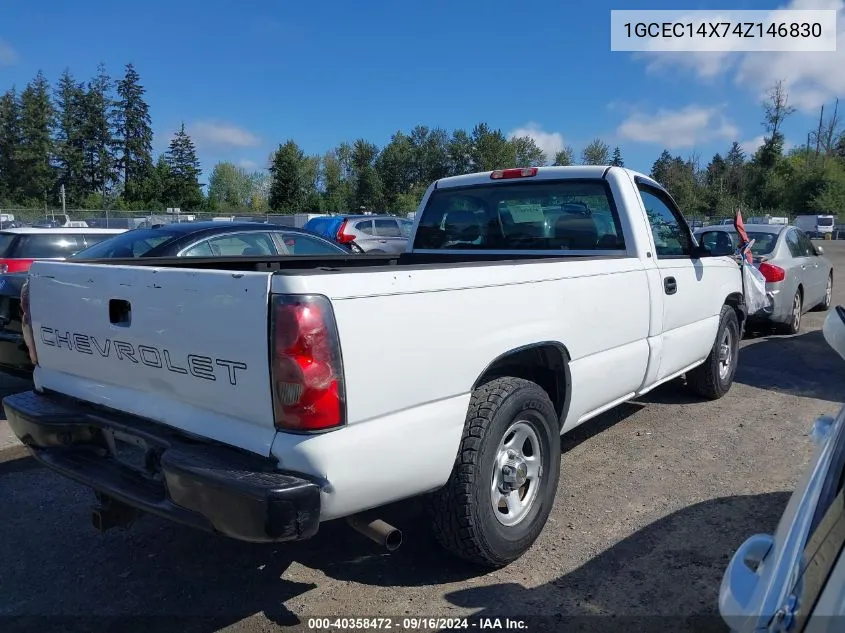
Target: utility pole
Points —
{"points": [[62, 194]]}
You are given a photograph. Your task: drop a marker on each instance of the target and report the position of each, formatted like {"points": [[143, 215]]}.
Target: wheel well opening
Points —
{"points": [[546, 364], [737, 302]]}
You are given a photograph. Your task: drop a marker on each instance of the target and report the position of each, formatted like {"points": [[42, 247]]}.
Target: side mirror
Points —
{"points": [[819, 250]]}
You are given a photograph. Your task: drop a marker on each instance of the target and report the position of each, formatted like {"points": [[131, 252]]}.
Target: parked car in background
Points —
{"points": [[794, 579], [373, 233], [21, 246], [197, 239], [214, 239], [798, 277]]}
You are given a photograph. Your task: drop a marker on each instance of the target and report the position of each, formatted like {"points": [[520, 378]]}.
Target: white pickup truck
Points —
{"points": [[258, 397]]}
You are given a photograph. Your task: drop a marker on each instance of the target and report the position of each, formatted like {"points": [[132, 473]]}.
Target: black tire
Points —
{"points": [[708, 380], [462, 513], [793, 326], [824, 306]]}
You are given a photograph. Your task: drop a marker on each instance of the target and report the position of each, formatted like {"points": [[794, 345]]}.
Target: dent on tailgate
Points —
{"points": [[188, 348]]}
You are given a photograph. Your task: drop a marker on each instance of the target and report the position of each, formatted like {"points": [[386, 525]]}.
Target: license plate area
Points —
{"points": [[129, 451]]}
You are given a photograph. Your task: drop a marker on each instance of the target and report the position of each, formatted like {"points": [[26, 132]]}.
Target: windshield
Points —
{"points": [[825, 221], [764, 243], [135, 243], [546, 215]]}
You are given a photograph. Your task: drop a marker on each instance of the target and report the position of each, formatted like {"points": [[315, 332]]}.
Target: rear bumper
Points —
{"points": [[162, 472]]}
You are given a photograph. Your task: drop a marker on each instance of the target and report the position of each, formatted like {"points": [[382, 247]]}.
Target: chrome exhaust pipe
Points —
{"points": [[377, 530]]}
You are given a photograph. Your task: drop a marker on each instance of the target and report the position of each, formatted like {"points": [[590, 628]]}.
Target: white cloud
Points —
{"points": [[752, 145], [8, 55], [812, 78], [550, 142], [211, 134], [246, 163], [675, 129]]}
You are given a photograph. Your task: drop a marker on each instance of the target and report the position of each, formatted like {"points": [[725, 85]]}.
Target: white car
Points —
{"points": [[260, 399], [794, 579]]}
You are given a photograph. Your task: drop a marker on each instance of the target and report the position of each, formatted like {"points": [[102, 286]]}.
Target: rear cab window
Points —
{"points": [[550, 215]]}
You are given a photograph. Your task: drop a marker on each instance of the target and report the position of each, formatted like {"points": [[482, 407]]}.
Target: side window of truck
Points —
{"points": [[671, 237]]}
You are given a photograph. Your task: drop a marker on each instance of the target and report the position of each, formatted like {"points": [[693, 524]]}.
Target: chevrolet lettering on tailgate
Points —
{"points": [[197, 365]]}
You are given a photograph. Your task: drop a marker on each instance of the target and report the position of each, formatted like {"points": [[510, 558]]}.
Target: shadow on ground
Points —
{"points": [[815, 370], [168, 575], [665, 577]]}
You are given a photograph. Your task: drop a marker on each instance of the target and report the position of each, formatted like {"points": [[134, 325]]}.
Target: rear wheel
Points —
{"points": [[793, 325], [505, 477], [713, 378], [824, 306]]}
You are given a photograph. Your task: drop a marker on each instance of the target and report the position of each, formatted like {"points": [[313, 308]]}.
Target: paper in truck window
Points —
{"points": [[525, 212]]}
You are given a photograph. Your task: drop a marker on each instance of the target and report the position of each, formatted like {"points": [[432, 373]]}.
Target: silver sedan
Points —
{"points": [[798, 276]]}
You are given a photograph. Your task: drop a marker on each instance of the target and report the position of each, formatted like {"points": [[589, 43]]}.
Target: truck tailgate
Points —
{"points": [[187, 348]]}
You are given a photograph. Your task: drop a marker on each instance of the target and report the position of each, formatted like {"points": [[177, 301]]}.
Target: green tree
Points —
{"points": [[368, 185], [34, 156], [490, 149], [527, 153], [395, 167], [460, 153], [430, 154], [661, 167], [337, 189], [616, 159], [288, 187], [10, 141], [70, 137], [135, 135], [596, 153], [98, 126], [230, 188], [564, 157], [183, 186]]}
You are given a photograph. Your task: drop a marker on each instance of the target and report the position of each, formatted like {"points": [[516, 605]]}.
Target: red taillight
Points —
{"points": [[307, 372], [15, 265], [771, 272], [517, 172], [26, 323], [342, 236]]}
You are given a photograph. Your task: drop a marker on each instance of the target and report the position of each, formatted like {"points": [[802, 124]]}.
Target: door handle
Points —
{"points": [[382, 241], [670, 285]]}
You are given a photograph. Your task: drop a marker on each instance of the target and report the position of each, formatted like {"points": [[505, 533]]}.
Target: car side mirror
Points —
{"points": [[819, 250]]}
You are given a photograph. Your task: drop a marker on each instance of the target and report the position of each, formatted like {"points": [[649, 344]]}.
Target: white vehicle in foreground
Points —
{"points": [[257, 397]]}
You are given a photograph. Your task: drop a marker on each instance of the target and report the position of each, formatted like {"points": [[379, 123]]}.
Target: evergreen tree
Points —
{"points": [[596, 153], [100, 142], [10, 141], [288, 186], [564, 157], [34, 156], [183, 187], [135, 134], [70, 139], [616, 160]]}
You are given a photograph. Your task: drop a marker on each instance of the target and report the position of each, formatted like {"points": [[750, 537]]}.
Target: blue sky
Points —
{"points": [[245, 76]]}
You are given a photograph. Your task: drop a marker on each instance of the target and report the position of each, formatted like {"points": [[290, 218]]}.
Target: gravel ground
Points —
{"points": [[654, 498]]}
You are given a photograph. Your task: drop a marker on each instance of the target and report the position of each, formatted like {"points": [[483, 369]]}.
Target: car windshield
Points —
{"points": [[764, 242], [135, 243]]}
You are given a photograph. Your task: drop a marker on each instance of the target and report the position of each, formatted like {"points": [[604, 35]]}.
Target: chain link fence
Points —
{"points": [[107, 218]]}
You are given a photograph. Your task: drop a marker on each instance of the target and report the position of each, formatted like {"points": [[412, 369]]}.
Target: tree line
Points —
{"points": [[93, 140]]}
